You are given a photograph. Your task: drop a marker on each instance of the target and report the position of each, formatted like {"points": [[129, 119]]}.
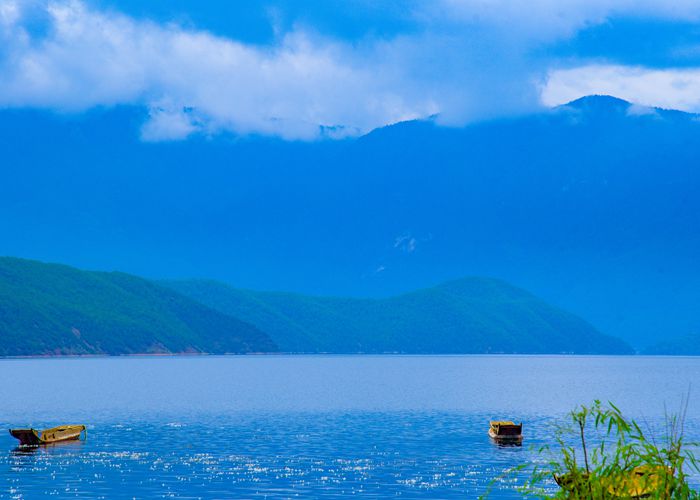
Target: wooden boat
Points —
{"points": [[34, 437], [641, 482], [505, 431]]}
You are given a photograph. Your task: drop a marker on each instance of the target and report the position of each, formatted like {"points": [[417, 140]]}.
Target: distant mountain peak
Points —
{"points": [[607, 106], [598, 99], [599, 103]]}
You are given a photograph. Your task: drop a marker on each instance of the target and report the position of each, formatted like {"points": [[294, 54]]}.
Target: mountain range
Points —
{"points": [[471, 315], [51, 309], [592, 206]]}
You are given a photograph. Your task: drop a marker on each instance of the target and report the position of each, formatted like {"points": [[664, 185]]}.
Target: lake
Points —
{"points": [[308, 426]]}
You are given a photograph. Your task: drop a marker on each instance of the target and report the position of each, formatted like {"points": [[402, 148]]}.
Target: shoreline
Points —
{"points": [[333, 354]]}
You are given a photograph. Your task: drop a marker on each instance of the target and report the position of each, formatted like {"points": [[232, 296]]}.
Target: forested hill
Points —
{"points": [[50, 309], [472, 315], [592, 206]]}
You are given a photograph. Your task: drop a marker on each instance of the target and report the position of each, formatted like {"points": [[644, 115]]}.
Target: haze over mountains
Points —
{"points": [[471, 315], [50, 309], [688, 345], [592, 206]]}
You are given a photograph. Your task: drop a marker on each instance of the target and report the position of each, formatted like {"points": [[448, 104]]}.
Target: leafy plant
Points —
{"points": [[601, 454]]}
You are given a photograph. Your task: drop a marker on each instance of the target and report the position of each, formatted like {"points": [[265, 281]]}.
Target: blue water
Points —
{"points": [[308, 426]]}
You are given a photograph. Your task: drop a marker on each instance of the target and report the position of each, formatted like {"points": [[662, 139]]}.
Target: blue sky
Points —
{"points": [[301, 69]]}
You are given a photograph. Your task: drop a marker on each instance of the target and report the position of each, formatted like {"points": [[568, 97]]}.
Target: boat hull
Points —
{"points": [[506, 432], [33, 437], [26, 437], [505, 439]]}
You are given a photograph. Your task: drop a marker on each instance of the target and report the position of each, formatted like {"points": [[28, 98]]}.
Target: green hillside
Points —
{"points": [[56, 309], [472, 315]]}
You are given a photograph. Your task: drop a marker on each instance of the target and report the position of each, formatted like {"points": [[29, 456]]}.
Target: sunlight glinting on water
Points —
{"points": [[329, 439]]}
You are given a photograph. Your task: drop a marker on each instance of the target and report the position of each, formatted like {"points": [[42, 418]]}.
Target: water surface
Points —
{"points": [[301, 426]]}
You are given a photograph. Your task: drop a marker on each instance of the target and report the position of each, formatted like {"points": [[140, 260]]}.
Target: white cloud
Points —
{"points": [[405, 243], [665, 88], [9, 13], [91, 58], [640, 110], [168, 123], [469, 60]]}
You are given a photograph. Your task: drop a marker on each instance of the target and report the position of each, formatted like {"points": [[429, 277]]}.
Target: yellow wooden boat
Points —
{"points": [[641, 482], [34, 437], [506, 431]]}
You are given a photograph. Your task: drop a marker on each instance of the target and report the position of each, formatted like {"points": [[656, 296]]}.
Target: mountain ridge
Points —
{"points": [[54, 309], [466, 316], [595, 211]]}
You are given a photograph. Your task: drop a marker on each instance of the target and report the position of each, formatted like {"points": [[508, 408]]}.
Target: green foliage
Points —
{"points": [[601, 454], [54, 309], [472, 315]]}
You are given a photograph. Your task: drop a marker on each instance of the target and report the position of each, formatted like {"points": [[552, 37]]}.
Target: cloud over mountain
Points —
{"points": [[192, 79], [465, 61], [667, 88]]}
